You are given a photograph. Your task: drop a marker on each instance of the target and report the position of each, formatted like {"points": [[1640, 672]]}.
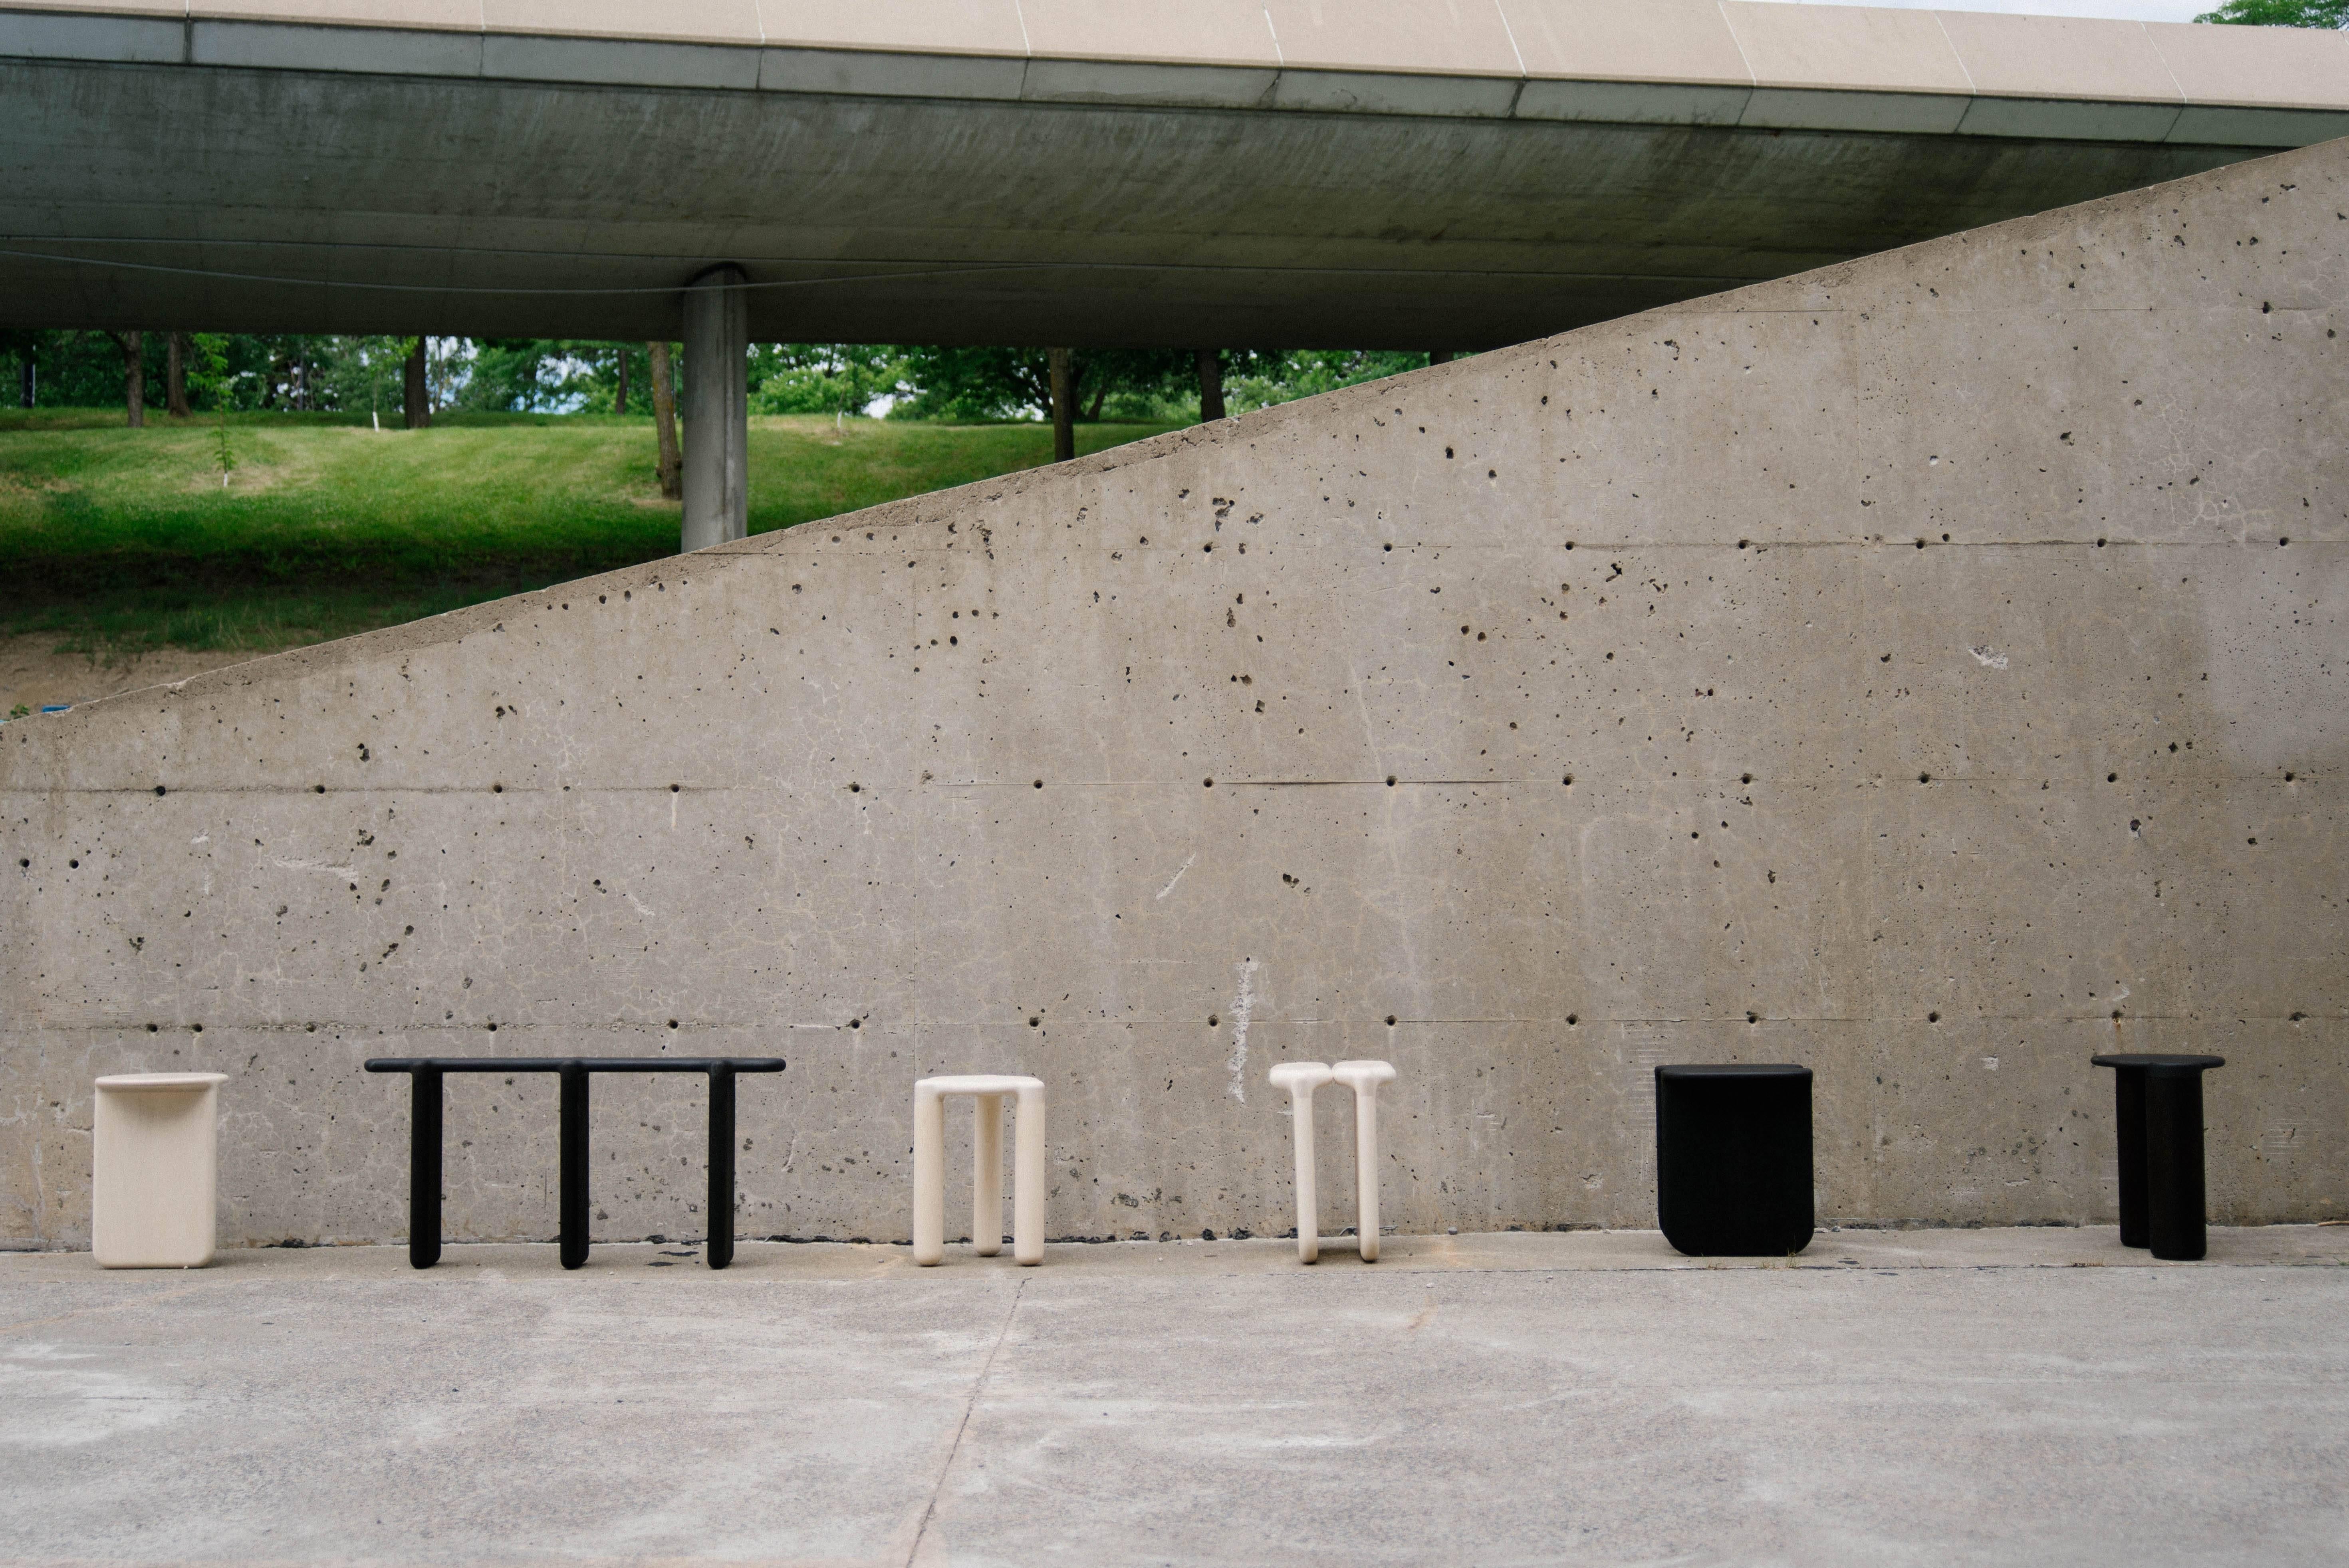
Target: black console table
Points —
{"points": [[424, 1146]]}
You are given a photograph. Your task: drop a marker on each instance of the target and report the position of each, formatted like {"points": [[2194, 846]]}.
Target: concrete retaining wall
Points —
{"points": [[1899, 668]]}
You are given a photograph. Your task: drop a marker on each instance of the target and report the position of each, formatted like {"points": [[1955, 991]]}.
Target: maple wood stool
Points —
{"points": [[2157, 1120], [1301, 1080], [1733, 1159], [987, 1094]]}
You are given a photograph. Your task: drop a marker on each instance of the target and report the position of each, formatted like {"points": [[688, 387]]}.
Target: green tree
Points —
{"points": [[521, 375], [1016, 383], [206, 367], [1260, 379], [835, 378], [2281, 13]]}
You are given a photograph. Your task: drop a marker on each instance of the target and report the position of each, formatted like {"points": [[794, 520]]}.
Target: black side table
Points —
{"points": [[424, 1138], [1733, 1159], [2157, 1120]]}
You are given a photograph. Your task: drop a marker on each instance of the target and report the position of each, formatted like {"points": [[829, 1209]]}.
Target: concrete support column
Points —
{"points": [[716, 410]]}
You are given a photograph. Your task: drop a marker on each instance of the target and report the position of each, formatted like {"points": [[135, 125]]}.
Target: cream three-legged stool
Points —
{"points": [[987, 1155], [1301, 1080]]}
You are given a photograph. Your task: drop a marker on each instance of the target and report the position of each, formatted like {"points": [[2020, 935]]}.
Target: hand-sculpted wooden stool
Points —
{"points": [[1301, 1080], [987, 1157]]}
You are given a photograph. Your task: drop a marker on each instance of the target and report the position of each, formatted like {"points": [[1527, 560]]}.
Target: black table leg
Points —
{"points": [[721, 1165], [574, 1163], [2129, 1128], [2176, 1225], [424, 1168]]}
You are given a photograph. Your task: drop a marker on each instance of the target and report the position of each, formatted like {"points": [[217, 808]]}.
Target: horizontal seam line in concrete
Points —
{"points": [[911, 271], [1370, 1022], [1802, 781]]}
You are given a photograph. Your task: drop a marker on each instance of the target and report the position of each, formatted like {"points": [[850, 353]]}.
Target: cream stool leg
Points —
{"points": [[1365, 1078], [1028, 1180], [1301, 1080], [1309, 1196], [929, 1175], [1366, 1168], [987, 1174]]}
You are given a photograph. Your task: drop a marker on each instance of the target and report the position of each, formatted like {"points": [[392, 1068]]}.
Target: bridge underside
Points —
{"points": [[188, 197]]}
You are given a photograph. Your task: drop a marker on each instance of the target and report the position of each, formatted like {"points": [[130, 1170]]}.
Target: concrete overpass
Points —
{"points": [[1381, 172], [1410, 173]]}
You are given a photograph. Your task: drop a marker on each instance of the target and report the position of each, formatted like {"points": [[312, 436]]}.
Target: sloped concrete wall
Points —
{"points": [[1899, 669]]}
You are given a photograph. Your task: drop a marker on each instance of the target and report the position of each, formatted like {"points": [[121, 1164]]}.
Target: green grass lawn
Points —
{"points": [[116, 541]]}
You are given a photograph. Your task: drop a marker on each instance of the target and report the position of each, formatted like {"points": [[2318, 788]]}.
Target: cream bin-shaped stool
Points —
{"points": [[155, 1170], [986, 1156], [1301, 1080]]}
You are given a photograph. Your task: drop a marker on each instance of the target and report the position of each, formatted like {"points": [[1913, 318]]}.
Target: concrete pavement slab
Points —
{"points": [[1887, 1396]]}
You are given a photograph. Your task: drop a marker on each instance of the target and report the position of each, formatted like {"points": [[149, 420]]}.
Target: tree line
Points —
{"points": [[410, 378]]}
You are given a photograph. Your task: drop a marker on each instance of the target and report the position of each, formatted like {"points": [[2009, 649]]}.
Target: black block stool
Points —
{"points": [[424, 1139], [2157, 1120], [1733, 1159]]}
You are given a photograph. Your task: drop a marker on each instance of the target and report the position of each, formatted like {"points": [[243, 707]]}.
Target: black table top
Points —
{"points": [[2160, 1063], [556, 1063], [1733, 1069]]}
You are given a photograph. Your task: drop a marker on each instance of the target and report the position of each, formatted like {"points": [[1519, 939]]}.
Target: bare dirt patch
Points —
{"points": [[33, 673]]}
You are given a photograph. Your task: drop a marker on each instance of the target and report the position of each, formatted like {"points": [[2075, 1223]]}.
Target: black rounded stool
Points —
{"points": [[2157, 1117], [1733, 1159]]}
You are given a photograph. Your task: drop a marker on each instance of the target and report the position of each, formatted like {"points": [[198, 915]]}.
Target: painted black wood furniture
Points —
{"points": [[2157, 1120], [425, 1074], [1733, 1159]]}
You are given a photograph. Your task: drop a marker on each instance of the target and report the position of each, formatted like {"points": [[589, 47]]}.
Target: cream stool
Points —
{"points": [[986, 1156], [155, 1170], [1301, 1080]]}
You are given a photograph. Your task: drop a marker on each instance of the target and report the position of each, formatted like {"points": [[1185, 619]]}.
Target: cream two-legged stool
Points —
{"points": [[1301, 1080], [986, 1156]]}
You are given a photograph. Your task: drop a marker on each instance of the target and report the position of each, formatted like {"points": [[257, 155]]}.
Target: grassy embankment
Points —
{"points": [[117, 540]]}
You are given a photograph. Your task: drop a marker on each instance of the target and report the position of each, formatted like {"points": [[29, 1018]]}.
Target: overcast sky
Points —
{"points": [[2134, 10]]}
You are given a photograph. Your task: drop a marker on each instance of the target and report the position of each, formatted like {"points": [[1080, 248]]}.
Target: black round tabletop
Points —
{"points": [[2172, 1064]]}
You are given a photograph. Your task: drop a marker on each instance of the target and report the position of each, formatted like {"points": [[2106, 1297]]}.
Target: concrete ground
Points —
{"points": [[1943, 1397]]}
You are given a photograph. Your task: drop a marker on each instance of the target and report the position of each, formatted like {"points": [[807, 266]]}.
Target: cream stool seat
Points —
{"points": [[987, 1092], [1301, 1080]]}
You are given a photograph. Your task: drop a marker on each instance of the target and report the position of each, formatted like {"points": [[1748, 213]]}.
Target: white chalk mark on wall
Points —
{"points": [[1988, 657], [346, 872], [1178, 876], [1243, 1007]]}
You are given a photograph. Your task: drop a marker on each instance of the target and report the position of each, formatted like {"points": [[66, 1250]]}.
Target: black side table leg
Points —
{"points": [[721, 1165], [574, 1164], [424, 1168], [2128, 1127], [2176, 1225]]}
